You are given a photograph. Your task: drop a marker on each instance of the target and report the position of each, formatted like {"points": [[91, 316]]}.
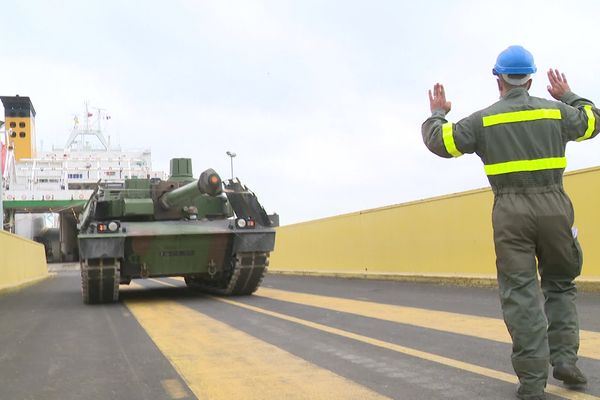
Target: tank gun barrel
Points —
{"points": [[209, 183]]}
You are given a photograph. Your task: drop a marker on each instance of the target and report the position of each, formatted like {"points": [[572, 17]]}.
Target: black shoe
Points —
{"points": [[569, 374]]}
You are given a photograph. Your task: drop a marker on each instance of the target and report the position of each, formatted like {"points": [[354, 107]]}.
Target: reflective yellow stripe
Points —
{"points": [[448, 137], [525, 165], [591, 123], [520, 116]]}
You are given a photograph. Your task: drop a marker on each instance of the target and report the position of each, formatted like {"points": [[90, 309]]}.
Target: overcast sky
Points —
{"points": [[322, 100]]}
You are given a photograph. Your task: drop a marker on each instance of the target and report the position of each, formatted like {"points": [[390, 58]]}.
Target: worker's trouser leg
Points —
{"points": [[559, 263], [526, 226], [515, 240], [563, 327]]}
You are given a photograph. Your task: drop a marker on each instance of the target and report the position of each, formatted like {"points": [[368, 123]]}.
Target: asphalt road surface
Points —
{"points": [[296, 338]]}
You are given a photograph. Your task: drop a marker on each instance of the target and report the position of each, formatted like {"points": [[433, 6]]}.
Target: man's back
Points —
{"points": [[523, 129]]}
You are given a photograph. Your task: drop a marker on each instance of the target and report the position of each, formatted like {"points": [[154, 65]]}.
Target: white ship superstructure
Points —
{"points": [[68, 175], [71, 173]]}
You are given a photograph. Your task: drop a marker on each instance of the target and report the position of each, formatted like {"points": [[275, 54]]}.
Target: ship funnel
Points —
{"points": [[19, 116]]}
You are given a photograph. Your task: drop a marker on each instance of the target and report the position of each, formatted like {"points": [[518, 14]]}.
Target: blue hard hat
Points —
{"points": [[515, 60]]}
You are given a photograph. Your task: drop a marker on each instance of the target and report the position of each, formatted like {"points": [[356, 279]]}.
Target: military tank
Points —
{"points": [[214, 234]]}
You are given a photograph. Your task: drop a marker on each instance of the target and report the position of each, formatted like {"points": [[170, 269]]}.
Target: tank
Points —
{"points": [[214, 234]]}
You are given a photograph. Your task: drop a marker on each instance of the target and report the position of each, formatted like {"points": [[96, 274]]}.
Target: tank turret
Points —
{"points": [[209, 183], [215, 235]]}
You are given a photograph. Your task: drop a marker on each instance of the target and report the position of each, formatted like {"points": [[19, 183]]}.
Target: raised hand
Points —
{"points": [[437, 99], [558, 84]]}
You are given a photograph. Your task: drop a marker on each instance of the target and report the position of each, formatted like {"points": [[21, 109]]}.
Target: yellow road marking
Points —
{"points": [[476, 369], [492, 329], [462, 324], [219, 362], [174, 388]]}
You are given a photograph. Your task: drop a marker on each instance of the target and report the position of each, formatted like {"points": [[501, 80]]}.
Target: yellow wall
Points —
{"points": [[439, 236], [21, 261]]}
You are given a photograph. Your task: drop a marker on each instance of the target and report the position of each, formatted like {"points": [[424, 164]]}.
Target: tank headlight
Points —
{"points": [[245, 223], [113, 226], [101, 228]]}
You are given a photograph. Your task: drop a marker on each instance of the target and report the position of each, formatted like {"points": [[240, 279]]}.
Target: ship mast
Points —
{"points": [[87, 130]]}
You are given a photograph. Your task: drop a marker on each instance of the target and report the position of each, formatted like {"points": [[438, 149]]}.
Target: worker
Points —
{"points": [[521, 141]]}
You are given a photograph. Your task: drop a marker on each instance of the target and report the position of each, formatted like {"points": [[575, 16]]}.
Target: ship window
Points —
{"points": [[110, 173], [13, 134], [21, 124], [13, 124], [75, 176], [22, 134]]}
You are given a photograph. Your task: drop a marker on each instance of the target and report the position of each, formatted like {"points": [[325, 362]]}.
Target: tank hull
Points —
{"points": [[175, 248]]}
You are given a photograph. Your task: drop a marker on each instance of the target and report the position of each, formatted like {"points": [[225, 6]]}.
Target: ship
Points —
{"points": [[43, 191]]}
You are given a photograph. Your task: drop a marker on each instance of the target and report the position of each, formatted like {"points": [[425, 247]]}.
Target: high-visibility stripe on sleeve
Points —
{"points": [[591, 123], [521, 116], [525, 165], [448, 137]]}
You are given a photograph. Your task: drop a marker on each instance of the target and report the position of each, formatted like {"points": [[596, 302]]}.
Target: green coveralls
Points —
{"points": [[521, 140]]}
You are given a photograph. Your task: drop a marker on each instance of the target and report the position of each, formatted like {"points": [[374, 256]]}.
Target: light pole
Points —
{"points": [[231, 155]]}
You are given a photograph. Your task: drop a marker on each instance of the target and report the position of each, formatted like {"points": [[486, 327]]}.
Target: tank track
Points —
{"points": [[100, 281], [247, 275]]}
